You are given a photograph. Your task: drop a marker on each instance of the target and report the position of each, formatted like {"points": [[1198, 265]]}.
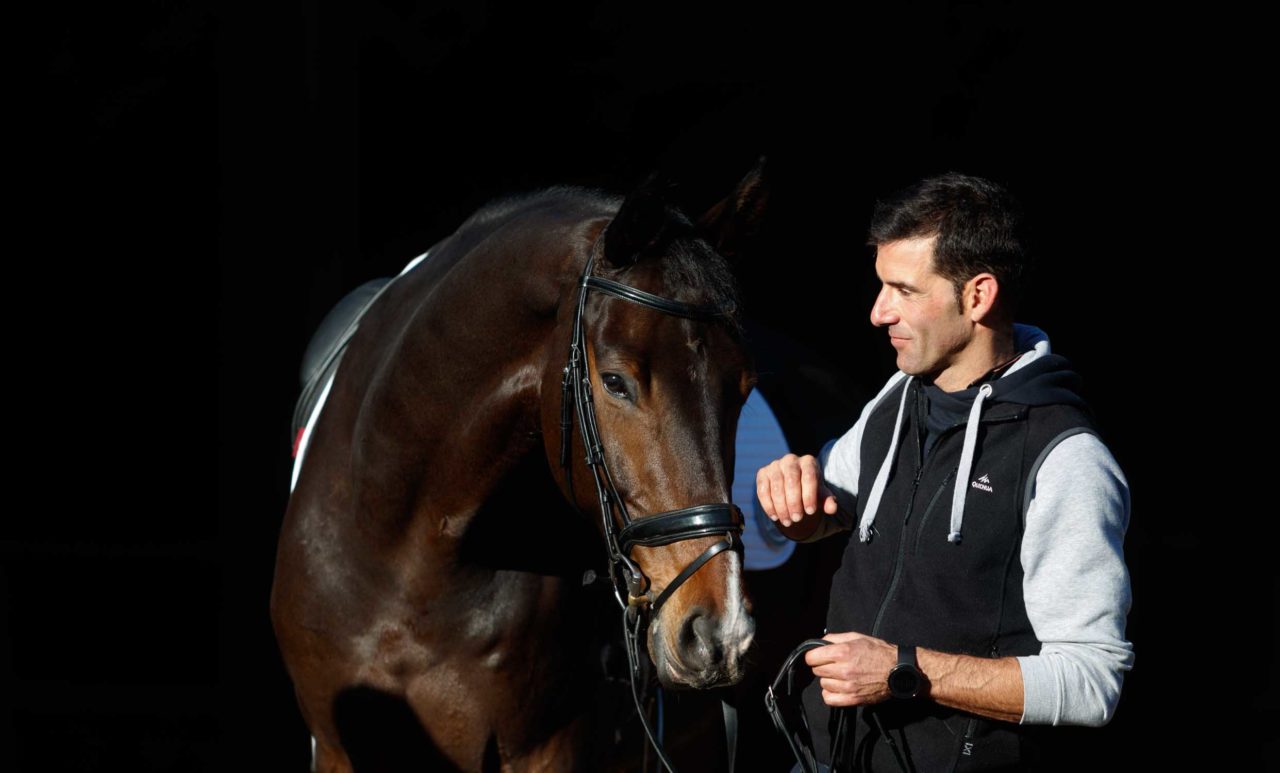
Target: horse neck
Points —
{"points": [[454, 400]]}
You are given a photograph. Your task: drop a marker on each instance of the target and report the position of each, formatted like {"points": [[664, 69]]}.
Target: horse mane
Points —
{"points": [[563, 196], [691, 262]]}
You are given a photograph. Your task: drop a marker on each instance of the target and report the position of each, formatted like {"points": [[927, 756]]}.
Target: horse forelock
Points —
{"points": [[694, 268], [685, 269]]}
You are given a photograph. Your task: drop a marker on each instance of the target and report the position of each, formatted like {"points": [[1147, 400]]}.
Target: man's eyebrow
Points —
{"points": [[902, 285]]}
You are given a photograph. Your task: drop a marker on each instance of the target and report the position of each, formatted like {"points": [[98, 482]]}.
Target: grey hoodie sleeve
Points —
{"points": [[1076, 586]]}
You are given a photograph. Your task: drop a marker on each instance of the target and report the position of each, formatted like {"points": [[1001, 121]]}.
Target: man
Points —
{"points": [[983, 588]]}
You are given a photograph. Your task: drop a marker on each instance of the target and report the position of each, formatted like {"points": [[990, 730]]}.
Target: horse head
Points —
{"points": [[659, 358]]}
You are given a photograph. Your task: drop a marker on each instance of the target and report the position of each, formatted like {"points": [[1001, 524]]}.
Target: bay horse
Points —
{"points": [[429, 597]]}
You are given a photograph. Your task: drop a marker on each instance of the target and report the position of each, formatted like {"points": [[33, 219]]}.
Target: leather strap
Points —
{"points": [[665, 305], [728, 543], [799, 745], [907, 654], [677, 525]]}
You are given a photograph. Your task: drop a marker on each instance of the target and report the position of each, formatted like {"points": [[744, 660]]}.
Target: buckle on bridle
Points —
{"points": [[637, 589]]}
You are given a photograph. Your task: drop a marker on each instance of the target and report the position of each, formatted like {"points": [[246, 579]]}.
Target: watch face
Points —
{"points": [[904, 681]]}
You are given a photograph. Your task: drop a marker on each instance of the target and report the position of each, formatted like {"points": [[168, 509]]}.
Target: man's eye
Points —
{"points": [[615, 385]]}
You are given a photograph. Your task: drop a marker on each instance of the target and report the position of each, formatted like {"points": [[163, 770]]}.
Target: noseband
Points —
{"points": [[661, 529]]}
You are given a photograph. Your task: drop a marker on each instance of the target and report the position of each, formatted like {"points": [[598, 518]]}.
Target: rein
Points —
{"points": [[801, 740], [783, 687], [660, 529]]}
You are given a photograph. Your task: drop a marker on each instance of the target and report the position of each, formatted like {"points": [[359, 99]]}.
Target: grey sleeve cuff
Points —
{"points": [[1076, 586], [1073, 684]]}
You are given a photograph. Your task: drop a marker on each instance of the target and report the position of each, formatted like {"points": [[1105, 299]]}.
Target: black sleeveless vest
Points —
{"points": [[909, 585]]}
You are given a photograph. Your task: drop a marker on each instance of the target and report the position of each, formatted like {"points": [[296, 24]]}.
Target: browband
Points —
{"points": [[665, 305]]}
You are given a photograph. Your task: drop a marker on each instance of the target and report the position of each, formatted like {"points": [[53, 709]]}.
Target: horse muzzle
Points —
{"points": [[701, 649]]}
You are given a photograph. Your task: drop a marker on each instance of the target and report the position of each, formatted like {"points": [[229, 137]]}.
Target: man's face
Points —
{"points": [[919, 308]]}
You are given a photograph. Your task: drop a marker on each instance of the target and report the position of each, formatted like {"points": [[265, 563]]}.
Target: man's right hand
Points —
{"points": [[791, 488]]}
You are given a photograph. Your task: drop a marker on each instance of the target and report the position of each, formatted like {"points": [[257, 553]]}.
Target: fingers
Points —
{"points": [[809, 482], [790, 487], [842, 699], [829, 503], [771, 488], [763, 493], [837, 686], [845, 692], [835, 670], [842, 656], [837, 638], [835, 652], [793, 481], [851, 670]]}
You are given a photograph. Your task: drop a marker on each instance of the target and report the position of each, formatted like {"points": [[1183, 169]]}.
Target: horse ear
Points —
{"points": [[639, 224], [735, 221]]}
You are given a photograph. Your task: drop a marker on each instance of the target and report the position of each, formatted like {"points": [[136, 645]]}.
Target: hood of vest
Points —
{"points": [[1037, 378]]}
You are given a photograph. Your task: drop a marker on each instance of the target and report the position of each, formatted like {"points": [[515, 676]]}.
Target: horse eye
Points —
{"points": [[615, 384]]}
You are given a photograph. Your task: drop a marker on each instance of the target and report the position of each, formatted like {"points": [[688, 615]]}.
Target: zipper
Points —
{"points": [[911, 501], [924, 519], [922, 462], [966, 741], [897, 565]]}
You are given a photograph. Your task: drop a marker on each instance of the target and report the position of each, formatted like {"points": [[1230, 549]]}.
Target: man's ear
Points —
{"points": [[980, 295]]}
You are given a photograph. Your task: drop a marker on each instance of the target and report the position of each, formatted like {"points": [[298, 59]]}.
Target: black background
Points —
{"points": [[191, 175]]}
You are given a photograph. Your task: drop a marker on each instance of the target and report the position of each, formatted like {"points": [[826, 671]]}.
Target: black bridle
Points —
{"points": [[660, 529]]}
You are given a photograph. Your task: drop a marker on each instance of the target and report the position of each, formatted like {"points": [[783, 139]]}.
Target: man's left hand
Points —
{"points": [[854, 669]]}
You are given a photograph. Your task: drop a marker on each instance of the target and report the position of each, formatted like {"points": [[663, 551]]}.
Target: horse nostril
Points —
{"points": [[698, 640]]}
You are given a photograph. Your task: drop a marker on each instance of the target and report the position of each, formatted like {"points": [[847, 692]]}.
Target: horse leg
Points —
{"points": [[314, 703], [328, 758], [327, 755], [564, 751]]}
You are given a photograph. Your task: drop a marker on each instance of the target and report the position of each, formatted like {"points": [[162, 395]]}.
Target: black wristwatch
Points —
{"points": [[905, 680]]}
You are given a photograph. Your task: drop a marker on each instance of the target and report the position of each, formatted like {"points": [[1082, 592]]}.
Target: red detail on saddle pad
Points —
{"points": [[297, 440]]}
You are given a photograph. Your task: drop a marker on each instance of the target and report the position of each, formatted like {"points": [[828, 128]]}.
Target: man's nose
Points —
{"points": [[882, 311]]}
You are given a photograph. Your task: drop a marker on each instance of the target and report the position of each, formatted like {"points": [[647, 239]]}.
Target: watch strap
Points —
{"points": [[906, 670]]}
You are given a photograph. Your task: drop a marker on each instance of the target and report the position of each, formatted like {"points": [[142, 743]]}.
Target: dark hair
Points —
{"points": [[978, 226]]}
